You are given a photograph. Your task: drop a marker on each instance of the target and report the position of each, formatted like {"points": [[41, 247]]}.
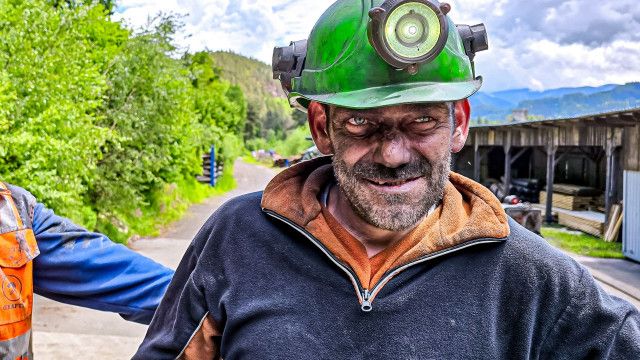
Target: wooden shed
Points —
{"points": [[591, 150]]}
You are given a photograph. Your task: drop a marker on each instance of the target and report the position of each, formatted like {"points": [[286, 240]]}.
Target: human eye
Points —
{"points": [[423, 123], [424, 119], [359, 126], [358, 121]]}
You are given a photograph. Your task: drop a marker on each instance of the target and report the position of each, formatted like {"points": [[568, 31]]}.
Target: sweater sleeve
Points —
{"points": [[183, 327], [594, 325], [84, 268]]}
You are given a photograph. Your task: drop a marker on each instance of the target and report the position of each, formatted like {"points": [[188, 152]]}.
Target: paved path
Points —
{"points": [[67, 332], [619, 277]]}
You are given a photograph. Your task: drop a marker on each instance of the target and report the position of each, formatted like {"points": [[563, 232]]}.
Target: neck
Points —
{"points": [[373, 238]]}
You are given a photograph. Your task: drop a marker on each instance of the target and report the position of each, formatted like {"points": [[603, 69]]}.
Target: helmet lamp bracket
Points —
{"points": [[288, 62], [474, 39]]}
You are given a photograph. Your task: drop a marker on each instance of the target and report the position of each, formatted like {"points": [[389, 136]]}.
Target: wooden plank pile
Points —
{"points": [[572, 197], [218, 168], [615, 223], [589, 222]]}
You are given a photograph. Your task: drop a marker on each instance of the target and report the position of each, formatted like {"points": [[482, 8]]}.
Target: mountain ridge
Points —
{"points": [[554, 103]]}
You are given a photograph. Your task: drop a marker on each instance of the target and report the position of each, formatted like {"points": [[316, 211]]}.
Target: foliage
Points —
{"points": [[582, 244], [105, 126], [296, 142], [52, 89], [268, 112]]}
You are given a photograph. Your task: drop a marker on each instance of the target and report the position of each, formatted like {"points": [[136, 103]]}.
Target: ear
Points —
{"points": [[461, 130], [318, 118]]}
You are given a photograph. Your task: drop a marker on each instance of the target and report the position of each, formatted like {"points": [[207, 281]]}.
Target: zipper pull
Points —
{"points": [[366, 304]]}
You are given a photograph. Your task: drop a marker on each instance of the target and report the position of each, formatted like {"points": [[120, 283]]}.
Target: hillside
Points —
{"points": [[269, 114], [253, 76], [555, 103]]}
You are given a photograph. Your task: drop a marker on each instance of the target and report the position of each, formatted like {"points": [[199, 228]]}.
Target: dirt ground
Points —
{"points": [[64, 331]]}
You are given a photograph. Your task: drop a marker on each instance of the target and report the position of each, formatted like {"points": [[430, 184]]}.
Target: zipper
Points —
{"points": [[365, 296], [390, 274]]}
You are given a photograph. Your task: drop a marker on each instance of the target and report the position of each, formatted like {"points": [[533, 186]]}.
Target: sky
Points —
{"points": [[536, 44]]}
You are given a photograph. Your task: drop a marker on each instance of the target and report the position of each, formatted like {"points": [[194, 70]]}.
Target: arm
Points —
{"points": [[594, 325], [87, 269]]}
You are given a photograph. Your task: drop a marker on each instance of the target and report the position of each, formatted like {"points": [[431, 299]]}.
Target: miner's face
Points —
{"points": [[391, 163]]}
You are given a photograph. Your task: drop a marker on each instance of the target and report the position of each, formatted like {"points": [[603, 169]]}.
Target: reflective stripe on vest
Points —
{"points": [[14, 349], [18, 247]]}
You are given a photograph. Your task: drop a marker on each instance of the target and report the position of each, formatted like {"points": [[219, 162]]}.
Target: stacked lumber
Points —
{"points": [[569, 202], [615, 223], [586, 221], [575, 190], [572, 197]]}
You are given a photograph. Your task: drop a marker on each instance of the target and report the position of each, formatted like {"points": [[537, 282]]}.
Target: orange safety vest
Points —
{"points": [[18, 247]]}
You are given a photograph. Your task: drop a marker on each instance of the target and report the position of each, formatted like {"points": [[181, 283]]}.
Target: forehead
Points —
{"points": [[394, 111]]}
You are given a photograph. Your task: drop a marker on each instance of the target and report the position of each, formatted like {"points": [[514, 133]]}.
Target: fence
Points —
{"points": [[210, 174]]}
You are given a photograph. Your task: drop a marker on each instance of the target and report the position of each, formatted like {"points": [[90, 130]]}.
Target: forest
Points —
{"points": [[107, 125]]}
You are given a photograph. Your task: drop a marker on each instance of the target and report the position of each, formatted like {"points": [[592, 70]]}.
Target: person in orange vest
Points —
{"points": [[46, 254]]}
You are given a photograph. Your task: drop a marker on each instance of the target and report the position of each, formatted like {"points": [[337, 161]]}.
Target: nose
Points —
{"points": [[393, 152]]}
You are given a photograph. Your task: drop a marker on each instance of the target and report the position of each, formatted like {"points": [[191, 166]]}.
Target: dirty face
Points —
{"points": [[393, 163]]}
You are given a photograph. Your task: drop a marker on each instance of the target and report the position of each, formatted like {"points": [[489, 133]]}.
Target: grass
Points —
{"points": [[168, 205], [251, 160], [580, 243]]}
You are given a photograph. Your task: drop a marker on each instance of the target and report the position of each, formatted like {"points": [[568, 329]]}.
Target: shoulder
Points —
{"points": [[24, 200], [234, 218], [238, 210], [249, 203], [530, 252], [538, 272]]}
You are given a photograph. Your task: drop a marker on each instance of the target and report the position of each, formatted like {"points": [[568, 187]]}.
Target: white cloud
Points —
{"points": [[250, 27], [538, 44]]}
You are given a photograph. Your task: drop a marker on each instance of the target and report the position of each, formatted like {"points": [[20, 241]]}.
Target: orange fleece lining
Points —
{"points": [[469, 211], [371, 268]]}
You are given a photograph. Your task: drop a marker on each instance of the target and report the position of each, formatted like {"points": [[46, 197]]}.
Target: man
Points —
{"points": [[43, 253], [380, 252]]}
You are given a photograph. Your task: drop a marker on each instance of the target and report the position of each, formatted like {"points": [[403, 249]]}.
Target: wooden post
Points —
{"points": [[476, 159], [507, 164], [609, 186], [551, 169], [552, 148]]}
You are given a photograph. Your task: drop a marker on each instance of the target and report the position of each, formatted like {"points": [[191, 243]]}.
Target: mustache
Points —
{"points": [[414, 169]]}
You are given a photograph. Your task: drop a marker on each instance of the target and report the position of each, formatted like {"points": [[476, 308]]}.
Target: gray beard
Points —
{"points": [[392, 212]]}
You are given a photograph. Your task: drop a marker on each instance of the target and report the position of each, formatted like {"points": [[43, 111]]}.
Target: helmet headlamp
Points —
{"points": [[407, 33]]}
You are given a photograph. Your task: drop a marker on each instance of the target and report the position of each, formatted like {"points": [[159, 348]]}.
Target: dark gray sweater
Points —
{"points": [[272, 294]]}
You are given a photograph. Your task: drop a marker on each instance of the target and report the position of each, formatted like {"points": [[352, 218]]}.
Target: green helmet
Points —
{"points": [[367, 54]]}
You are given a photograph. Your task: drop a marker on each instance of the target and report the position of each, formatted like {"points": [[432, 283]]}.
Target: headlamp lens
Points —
{"points": [[412, 30]]}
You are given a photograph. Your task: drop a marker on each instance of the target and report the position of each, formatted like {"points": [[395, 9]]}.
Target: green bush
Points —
{"points": [[105, 126], [294, 143]]}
